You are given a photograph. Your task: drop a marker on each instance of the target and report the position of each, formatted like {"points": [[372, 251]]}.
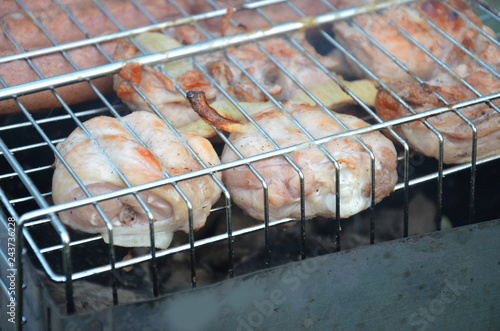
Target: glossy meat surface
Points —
{"points": [[139, 164], [319, 172]]}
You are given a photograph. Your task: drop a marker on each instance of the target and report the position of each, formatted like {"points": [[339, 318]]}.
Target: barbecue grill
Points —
{"points": [[69, 280]]}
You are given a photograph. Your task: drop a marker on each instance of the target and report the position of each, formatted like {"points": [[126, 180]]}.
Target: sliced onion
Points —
{"points": [[159, 42], [330, 94]]}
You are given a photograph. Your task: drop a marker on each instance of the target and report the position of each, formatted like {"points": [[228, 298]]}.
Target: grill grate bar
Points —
{"points": [[207, 171], [189, 50], [126, 33], [236, 233], [33, 146], [32, 170], [32, 218], [30, 198], [446, 172], [486, 7], [174, 250], [91, 112]]}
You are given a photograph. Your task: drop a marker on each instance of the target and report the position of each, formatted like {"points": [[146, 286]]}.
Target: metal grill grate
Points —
{"points": [[28, 140]]}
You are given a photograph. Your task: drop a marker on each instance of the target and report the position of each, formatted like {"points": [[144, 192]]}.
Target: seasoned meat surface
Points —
{"points": [[384, 28], [162, 153], [319, 171], [457, 133], [173, 105], [481, 78]]}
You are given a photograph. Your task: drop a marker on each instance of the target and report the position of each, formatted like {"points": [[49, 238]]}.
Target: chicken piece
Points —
{"points": [[158, 88], [172, 104], [381, 28], [319, 172], [165, 153], [457, 134]]}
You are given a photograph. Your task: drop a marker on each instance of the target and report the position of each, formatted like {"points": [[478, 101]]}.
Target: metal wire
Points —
{"points": [[46, 213]]}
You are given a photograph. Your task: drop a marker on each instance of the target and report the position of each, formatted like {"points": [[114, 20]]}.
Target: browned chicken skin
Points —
{"points": [[383, 28], [172, 104], [456, 132], [439, 84]]}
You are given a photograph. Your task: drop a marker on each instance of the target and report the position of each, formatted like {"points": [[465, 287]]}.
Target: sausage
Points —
{"points": [[62, 29]]}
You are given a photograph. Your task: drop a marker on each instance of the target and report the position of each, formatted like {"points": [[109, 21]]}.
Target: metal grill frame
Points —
{"points": [[47, 213]]}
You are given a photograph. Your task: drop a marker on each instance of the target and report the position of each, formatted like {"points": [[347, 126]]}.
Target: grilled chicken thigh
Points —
{"points": [[456, 132], [384, 29], [161, 153], [319, 171], [173, 105]]}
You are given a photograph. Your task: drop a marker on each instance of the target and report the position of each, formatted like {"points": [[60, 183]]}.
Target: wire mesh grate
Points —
{"points": [[28, 139]]}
